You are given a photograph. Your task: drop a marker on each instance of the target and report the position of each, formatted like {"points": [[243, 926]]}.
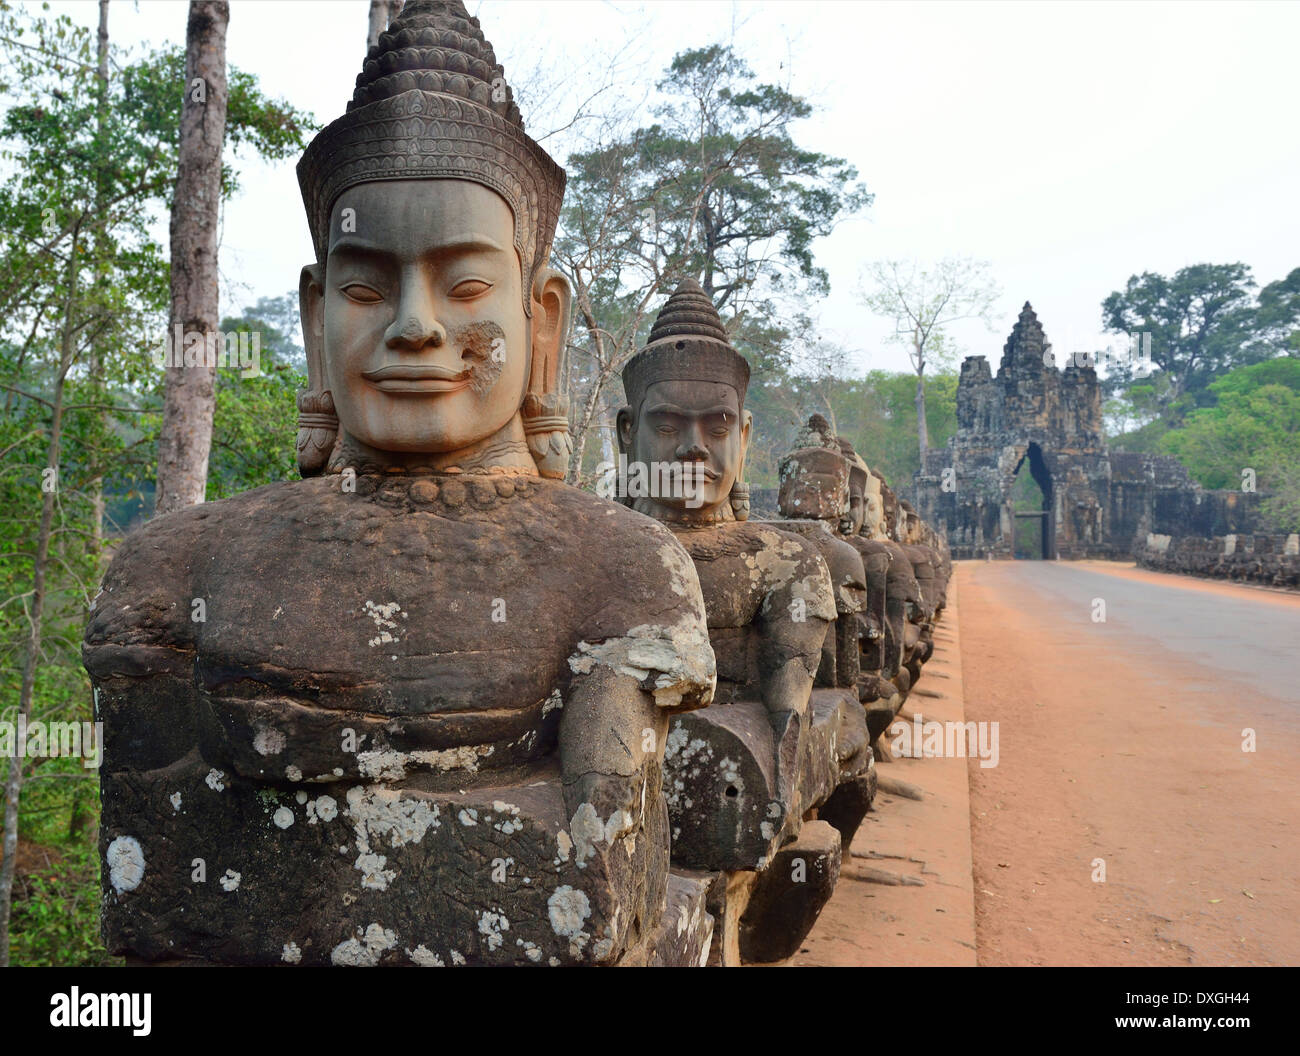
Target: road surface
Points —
{"points": [[1128, 821]]}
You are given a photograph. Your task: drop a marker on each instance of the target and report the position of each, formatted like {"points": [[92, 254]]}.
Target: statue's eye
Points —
{"points": [[361, 293], [665, 430], [469, 289]]}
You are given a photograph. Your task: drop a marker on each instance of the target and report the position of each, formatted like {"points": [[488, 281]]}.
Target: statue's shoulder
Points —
{"points": [[598, 523], [648, 611], [616, 543], [736, 539], [143, 618]]}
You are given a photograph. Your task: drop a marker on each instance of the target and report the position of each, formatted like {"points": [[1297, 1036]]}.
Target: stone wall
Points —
{"points": [[1270, 560]]}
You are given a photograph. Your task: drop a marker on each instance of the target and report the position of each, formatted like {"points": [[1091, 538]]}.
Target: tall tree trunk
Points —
{"points": [[382, 12], [190, 396], [101, 251], [922, 433], [14, 780]]}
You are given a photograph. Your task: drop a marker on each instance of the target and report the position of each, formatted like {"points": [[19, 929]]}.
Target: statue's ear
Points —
{"points": [[740, 490], [311, 310], [624, 423], [746, 431], [317, 423], [545, 408], [552, 302]]}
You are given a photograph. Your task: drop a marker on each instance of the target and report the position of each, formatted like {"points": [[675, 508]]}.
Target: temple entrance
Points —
{"points": [[1031, 508]]}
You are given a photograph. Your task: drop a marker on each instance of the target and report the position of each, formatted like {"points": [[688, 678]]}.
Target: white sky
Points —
{"points": [[1071, 145]]}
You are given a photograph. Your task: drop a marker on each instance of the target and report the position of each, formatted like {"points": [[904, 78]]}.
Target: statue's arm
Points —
{"points": [[640, 660], [610, 731], [797, 612]]}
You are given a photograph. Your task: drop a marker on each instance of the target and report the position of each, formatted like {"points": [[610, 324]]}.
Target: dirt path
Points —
{"points": [[1117, 744], [925, 915]]}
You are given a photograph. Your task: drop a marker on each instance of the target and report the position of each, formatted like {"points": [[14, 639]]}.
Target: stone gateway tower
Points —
{"points": [[1028, 473]]}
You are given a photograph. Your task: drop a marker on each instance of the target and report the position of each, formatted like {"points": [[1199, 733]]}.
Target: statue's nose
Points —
{"points": [[414, 332], [416, 324]]}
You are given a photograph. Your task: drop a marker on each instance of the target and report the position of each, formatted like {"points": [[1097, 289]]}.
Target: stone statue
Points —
{"points": [[814, 498], [411, 709], [686, 393], [741, 773], [881, 624]]}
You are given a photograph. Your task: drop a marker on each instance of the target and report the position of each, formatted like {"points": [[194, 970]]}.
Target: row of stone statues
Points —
{"points": [[431, 705]]}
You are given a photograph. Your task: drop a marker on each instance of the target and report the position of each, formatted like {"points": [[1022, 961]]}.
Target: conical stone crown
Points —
{"points": [[436, 46], [688, 312], [687, 343]]}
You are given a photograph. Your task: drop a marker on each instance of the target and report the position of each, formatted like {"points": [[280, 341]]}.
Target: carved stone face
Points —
{"points": [[873, 520], [810, 487], [852, 522], [426, 346], [690, 421]]}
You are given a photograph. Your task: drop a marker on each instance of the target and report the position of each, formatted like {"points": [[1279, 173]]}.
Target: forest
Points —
{"points": [[714, 184]]}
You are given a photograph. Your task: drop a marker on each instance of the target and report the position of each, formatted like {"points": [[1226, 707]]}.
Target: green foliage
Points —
{"points": [[717, 189], [84, 293], [1253, 423], [724, 174], [255, 424], [152, 95], [876, 413], [1277, 319], [1202, 321], [56, 915]]}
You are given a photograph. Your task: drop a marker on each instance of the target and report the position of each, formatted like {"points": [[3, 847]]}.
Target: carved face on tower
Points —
{"points": [[433, 327], [686, 395]]}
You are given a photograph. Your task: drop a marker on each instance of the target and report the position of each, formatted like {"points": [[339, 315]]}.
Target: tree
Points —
{"points": [[717, 189], [83, 286], [1200, 321], [923, 303], [1252, 423], [382, 12], [190, 395], [1277, 316], [254, 425]]}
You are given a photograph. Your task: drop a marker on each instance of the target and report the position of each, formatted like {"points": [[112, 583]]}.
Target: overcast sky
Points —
{"points": [[1070, 145]]}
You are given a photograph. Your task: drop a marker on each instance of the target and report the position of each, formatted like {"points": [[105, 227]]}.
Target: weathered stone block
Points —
{"points": [[205, 865], [789, 895], [685, 935], [723, 785]]}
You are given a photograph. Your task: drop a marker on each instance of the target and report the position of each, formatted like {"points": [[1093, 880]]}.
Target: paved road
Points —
{"points": [[1146, 805], [1249, 634]]}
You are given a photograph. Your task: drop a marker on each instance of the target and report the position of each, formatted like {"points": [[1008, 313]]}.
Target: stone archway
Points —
{"points": [[1032, 507]]}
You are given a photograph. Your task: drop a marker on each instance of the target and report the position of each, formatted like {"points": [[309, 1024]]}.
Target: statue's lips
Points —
{"points": [[710, 475], [417, 378]]}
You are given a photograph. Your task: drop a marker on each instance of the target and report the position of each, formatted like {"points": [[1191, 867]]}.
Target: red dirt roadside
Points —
{"points": [[1133, 756]]}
